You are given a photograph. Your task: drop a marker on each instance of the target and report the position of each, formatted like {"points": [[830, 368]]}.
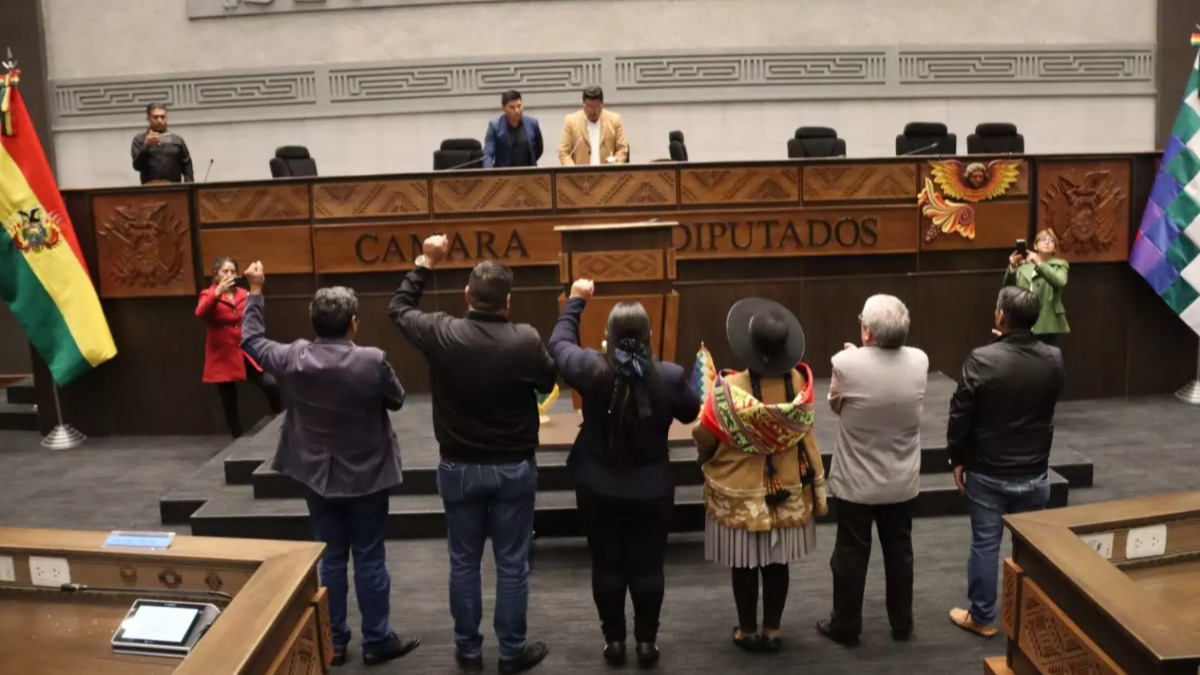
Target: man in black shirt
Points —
{"points": [[160, 156], [514, 138], [485, 373]]}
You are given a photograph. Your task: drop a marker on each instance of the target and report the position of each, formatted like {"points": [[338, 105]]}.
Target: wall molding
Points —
{"points": [[218, 9], [350, 89]]}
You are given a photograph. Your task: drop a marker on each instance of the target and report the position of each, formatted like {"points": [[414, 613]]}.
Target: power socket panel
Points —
{"points": [[49, 571], [1146, 542], [7, 571], [1100, 542]]}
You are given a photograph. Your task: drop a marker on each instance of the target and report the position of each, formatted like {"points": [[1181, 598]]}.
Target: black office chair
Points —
{"points": [[458, 153], [995, 138], [816, 142], [677, 147], [926, 138], [292, 161]]}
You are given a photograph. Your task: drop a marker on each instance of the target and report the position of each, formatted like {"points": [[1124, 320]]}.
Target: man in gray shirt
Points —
{"points": [[160, 156], [877, 391]]}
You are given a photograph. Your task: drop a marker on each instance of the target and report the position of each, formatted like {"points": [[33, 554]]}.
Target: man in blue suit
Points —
{"points": [[513, 139]]}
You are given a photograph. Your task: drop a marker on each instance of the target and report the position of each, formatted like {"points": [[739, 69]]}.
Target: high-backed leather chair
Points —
{"points": [[995, 138], [458, 153], [292, 161], [926, 138], [677, 147], [816, 142]]}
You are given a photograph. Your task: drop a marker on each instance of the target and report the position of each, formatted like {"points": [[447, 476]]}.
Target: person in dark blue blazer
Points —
{"points": [[514, 138], [621, 463]]}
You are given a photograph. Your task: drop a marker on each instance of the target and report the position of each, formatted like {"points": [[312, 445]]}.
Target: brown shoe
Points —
{"points": [[962, 619]]}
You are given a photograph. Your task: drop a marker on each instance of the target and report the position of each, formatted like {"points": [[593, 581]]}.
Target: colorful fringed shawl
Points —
{"points": [[735, 417]]}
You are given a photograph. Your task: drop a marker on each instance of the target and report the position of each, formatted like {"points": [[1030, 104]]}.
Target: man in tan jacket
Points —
{"points": [[593, 135]]}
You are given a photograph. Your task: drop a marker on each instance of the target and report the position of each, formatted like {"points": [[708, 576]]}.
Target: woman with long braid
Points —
{"points": [[621, 463], [764, 479]]}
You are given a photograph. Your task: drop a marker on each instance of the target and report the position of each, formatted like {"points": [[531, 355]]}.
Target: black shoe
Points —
{"points": [[339, 657], [770, 645], [468, 662], [647, 653], [746, 642], [902, 634], [393, 648], [614, 653], [826, 629], [534, 653]]}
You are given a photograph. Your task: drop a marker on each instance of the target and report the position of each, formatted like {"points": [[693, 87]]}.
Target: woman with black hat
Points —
{"points": [[621, 464], [764, 479]]}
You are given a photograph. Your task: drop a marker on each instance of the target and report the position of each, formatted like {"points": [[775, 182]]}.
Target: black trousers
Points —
{"points": [[775, 580], [627, 539], [852, 553], [229, 397]]}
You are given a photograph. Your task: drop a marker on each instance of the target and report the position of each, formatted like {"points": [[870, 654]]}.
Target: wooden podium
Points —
{"points": [[1104, 589], [630, 262]]}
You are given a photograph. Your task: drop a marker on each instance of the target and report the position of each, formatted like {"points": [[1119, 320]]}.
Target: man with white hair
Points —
{"points": [[877, 392]]}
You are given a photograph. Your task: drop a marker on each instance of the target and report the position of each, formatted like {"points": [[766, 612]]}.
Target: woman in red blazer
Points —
{"points": [[225, 364]]}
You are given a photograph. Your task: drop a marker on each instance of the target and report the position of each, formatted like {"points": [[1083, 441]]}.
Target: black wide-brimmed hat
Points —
{"points": [[765, 336]]}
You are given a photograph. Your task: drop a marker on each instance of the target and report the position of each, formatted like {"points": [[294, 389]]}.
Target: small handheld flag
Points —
{"points": [[704, 373]]}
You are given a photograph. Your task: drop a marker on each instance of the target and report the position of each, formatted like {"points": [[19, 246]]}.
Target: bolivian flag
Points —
{"points": [[42, 274]]}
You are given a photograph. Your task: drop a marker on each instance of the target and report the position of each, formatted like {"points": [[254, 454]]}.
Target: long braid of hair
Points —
{"points": [[775, 492]]}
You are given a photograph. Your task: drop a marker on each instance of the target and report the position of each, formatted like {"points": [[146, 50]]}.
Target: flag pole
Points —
{"points": [[1190, 392], [62, 436]]}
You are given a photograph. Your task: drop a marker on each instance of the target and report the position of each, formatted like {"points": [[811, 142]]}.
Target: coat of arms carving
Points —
{"points": [[1083, 213], [148, 240]]}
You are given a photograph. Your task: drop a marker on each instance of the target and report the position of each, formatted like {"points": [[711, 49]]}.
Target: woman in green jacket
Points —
{"points": [[1045, 275]]}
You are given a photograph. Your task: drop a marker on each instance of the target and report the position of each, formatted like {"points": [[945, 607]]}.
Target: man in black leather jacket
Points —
{"points": [[999, 436]]}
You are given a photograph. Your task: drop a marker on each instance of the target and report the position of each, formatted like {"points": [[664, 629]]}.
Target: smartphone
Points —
{"points": [[1021, 248], [240, 282]]}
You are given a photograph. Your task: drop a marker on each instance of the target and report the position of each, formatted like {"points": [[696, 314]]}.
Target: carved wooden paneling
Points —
{"points": [[324, 628], [618, 265], [253, 203], [849, 230], [1008, 602], [385, 247], [615, 189], [478, 192], [365, 199], [124, 574], [301, 654], [996, 225], [1053, 642], [1087, 206], [282, 250], [986, 175], [844, 182], [144, 244], [740, 185]]}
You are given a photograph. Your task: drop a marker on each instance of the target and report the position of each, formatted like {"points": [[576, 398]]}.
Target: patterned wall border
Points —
{"points": [[338, 90]]}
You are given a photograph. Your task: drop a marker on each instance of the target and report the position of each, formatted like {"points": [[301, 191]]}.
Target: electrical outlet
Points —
{"points": [[1145, 542], [7, 573], [1101, 542], [49, 571]]}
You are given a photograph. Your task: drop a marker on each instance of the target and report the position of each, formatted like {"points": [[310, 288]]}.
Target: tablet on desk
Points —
{"points": [[163, 628]]}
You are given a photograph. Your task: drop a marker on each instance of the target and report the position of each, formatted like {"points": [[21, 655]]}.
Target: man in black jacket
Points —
{"points": [[999, 436], [485, 373]]}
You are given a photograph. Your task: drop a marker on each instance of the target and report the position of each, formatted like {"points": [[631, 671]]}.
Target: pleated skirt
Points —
{"points": [[742, 548]]}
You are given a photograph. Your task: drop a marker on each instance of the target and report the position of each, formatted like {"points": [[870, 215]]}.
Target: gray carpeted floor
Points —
{"points": [[1140, 446]]}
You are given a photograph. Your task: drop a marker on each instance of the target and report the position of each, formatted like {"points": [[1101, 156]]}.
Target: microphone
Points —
{"points": [[210, 163], [576, 146], [466, 164], [920, 151]]}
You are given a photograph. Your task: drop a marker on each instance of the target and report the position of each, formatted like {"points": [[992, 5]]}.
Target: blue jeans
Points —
{"points": [[485, 500], [355, 524], [990, 499]]}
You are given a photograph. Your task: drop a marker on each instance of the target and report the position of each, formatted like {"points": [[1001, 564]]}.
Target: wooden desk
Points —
{"points": [[819, 236], [276, 624], [1068, 609]]}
